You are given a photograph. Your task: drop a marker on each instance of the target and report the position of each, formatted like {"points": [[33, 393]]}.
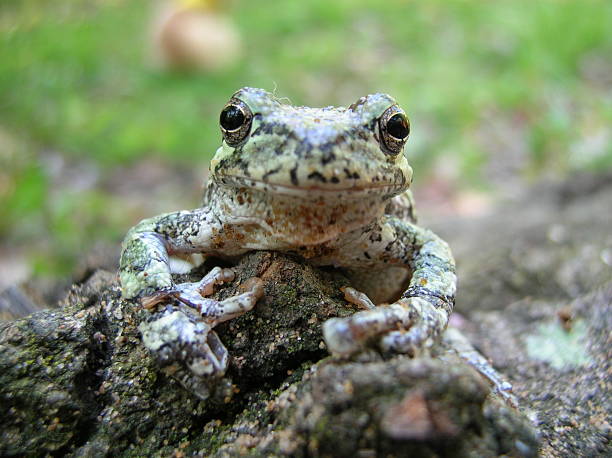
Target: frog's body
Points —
{"points": [[330, 185]]}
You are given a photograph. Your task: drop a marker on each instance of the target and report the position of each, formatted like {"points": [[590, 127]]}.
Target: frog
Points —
{"points": [[329, 185]]}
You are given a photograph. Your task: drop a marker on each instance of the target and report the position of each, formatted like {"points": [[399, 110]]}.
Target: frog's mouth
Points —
{"points": [[356, 190]]}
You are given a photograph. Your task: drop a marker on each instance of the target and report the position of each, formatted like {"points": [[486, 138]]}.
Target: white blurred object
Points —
{"points": [[194, 35]]}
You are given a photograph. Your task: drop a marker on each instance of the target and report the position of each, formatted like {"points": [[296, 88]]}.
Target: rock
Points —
{"points": [[399, 407], [535, 289], [77, 381]]}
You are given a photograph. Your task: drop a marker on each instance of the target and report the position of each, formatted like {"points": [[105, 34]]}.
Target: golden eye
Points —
{"points": [[394, 129], [235, 121]]}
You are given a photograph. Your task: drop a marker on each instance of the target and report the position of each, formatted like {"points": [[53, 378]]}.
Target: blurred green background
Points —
{"points": [[93, 138]]}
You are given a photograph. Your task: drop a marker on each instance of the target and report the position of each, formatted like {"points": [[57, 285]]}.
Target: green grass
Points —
{"points": [[74, 79]]}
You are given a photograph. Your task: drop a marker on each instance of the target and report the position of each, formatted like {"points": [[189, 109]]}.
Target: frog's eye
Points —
{"points": [[394, 130], [235, 121]]}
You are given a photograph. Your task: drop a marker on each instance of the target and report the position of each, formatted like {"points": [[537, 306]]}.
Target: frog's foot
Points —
{"points": [[217, 276], [427, 325], [345, 336], [213, 311], [182, 339], [187, 291], [186, 348], [406, 326]]}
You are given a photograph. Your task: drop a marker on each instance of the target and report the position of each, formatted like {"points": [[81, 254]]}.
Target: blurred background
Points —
{"points": [[109, 108]]}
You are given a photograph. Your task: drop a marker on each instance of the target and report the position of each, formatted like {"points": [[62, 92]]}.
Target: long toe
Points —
{"points": [[339, 337]]}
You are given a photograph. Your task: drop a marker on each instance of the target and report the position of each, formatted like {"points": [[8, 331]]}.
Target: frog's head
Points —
{"points": [[304, 152]]}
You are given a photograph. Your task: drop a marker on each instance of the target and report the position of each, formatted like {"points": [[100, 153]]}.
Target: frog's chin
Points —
{"points": [[355, 191]]}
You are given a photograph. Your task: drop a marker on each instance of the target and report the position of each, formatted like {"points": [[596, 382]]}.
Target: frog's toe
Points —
{"points": [[339, 338], [213, 311], [407, 342], [357, 298], [212, 361], [345, 336], [428, 322], [186, 348], [217, 276], [235, 306]]}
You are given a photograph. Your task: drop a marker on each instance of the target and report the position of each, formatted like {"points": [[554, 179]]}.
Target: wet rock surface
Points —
{"points": [[535, 283]]}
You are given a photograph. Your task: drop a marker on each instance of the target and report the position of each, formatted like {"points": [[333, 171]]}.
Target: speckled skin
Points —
{"points": [[321, 183]]}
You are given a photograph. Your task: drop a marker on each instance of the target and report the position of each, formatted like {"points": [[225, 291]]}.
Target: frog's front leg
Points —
{"points": [[144, 267], [414, 321], [179, 330]]}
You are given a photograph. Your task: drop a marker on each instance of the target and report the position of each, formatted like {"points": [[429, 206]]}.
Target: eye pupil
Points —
{"points": [[235, 119], [232, 117], [398, 126]]}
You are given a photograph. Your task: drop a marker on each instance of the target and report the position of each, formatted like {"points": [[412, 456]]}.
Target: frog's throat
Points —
{"points": [[340, 191], [289, 221]]}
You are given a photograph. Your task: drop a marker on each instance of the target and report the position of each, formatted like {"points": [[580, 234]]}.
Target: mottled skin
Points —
{"points": [[329, 184]]}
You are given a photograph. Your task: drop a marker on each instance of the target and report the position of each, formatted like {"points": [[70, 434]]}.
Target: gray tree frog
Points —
{"points": [[328, 184]]}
